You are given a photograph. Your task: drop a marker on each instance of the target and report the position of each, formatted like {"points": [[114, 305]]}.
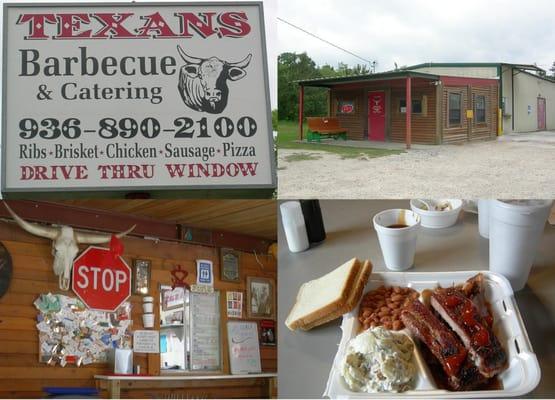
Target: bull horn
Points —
{"points": [[243, 63], [34, 229], [98, 238], [187, 58]]}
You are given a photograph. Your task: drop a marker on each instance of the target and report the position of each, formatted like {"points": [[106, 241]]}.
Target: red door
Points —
{"points": [[376, 116], [541, 114]]}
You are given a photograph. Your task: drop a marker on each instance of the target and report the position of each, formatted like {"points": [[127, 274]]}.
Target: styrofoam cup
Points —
{"points": [[148, 320], [515, 231], [483, 217], [147, 308], [398, 245]]}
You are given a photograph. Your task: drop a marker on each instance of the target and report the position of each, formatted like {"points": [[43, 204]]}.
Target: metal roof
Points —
{"points": [[382, 76], [473, 64]]}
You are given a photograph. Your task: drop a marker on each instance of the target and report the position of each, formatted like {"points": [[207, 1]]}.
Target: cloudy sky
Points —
{"points": [[416, 31]]}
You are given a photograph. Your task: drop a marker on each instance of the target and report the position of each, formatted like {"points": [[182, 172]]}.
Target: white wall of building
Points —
{"points": [[467, 72], [527, 90], [506, 94]]}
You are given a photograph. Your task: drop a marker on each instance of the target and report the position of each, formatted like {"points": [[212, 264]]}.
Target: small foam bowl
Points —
{"points": [[438, 219]]}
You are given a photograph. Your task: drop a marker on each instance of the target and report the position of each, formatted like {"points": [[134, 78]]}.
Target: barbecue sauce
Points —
{"points": [[440, 377], [453, 363], [479, 334]]}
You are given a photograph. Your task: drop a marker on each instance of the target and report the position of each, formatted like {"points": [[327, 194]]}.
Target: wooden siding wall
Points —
{"points": [[489, 129], [354, 123], [21, 375], [469, 130], [456, 133], [423, 125]]}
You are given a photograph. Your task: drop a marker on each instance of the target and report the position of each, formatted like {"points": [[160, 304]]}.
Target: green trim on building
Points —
{"points": [[327, 82], [498, 65], [454, 64]]}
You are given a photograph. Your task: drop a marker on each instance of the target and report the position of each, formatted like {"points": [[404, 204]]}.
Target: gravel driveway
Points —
{"points": [[514, 166]]}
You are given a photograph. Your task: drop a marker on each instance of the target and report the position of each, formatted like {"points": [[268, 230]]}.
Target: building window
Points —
{"points": [[346, 107], [455, 109], [416, 106], [480, 109]]}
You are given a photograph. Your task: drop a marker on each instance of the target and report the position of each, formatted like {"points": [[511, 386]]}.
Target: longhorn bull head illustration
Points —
{"points": [[203, 81], [65, 244]]}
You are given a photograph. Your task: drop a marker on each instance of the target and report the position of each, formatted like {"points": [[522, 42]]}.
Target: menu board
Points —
{"points": [[205, 331], [244, 351]]}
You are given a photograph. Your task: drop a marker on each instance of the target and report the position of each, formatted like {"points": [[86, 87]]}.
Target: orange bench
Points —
{"points": [[319, 127]]}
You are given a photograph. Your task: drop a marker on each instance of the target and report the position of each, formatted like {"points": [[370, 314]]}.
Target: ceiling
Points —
{"points": [[249, 217]]}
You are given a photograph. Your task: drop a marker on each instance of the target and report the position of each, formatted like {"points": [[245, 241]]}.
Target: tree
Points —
{"points": [[552, 70], [293, 67]]}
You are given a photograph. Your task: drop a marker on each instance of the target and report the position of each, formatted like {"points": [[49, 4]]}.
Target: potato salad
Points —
{"points": [[379, 360]]}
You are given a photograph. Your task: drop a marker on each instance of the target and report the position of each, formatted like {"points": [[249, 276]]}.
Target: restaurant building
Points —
{"points": [[447, 102], [203, 264]]}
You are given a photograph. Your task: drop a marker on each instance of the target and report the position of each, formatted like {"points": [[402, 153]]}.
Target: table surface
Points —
{"points": [[305, 358]]}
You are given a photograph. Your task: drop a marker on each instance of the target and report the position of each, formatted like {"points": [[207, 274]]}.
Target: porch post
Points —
{"points": [[408, 114], [301, 110]]}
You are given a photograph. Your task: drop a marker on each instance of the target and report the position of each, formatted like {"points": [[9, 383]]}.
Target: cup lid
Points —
{"points": [[148, 299]]}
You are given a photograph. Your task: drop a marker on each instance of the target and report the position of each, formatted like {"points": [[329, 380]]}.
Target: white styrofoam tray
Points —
{"points": [[523, 373]]}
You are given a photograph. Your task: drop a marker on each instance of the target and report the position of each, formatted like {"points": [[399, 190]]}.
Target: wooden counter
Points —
{"points": [[114, 384]]}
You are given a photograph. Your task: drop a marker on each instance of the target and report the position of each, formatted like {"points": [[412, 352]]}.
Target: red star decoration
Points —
{"points": [[178, 277]]}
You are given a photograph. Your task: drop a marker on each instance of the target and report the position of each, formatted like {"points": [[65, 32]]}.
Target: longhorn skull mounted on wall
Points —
{"points": [[65, 244]]}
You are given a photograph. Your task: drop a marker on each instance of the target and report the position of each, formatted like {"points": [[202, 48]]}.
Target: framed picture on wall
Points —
{"points": [[173, 298], [229, 265], [260, 298], [267, 331], [345, 106], [141, 276]]}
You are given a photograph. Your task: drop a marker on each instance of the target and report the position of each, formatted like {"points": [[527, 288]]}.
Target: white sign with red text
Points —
{"points": [[135, 96]]}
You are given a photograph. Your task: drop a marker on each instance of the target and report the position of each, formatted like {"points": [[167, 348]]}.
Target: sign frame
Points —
{"points": [[125, 189]]}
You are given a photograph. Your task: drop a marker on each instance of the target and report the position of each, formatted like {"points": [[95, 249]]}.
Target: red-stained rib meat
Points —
{"points": [[443, 344], [460, 313], [474, 289]]}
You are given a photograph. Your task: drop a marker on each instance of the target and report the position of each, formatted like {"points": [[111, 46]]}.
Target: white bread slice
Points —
{"points": [[353, 301], [320, 297]]}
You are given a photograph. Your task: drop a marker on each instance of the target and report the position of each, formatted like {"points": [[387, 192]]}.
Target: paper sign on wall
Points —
{"points": [[146, 342], [244, 351], [205, 331], [205, 275], [234, 304]]}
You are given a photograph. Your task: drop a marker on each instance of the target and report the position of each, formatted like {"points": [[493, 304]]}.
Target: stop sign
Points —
{"points": [[100, 279]]}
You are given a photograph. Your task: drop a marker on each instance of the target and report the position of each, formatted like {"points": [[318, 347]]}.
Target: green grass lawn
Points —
{"points": [[287, 135]]}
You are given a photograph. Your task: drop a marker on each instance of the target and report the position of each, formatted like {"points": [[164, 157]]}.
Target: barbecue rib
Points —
{"points": [[460, 313], [474, 290], [443, 344]]}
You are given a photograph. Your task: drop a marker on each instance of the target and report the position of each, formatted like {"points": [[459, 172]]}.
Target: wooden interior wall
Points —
{"points": [[354, 123], [423, 125], [21, 375]]}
